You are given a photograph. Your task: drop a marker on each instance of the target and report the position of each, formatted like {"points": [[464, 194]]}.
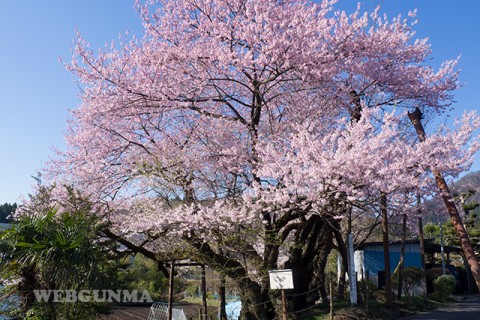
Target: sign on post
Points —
{"points": [[281, 279]]}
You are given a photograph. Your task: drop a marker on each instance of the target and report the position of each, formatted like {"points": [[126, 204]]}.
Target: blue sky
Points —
{"points": [[36, 91]]}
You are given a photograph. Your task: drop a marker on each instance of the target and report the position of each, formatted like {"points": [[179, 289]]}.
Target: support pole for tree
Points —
{"points": [[386, 248], [415, 118]]}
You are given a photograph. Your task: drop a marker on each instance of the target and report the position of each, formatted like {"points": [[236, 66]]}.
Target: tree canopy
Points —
{"points": [[246, 130]]}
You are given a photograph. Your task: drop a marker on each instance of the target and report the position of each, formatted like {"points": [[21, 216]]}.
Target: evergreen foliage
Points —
{"points": [[6, 210], [45, 249]]}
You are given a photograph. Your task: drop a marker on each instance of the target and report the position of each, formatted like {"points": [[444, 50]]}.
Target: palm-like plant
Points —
{"points": [[53, 250]]}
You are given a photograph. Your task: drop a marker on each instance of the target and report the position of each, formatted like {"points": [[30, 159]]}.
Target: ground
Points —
{"points": [[464, 307], [142, 312]]}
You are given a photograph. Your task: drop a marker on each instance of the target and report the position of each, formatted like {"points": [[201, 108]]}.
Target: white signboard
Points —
{"points": [[281, 279]]}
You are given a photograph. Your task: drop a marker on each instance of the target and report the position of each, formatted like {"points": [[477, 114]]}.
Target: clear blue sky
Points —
{"points": [[36, 91]]}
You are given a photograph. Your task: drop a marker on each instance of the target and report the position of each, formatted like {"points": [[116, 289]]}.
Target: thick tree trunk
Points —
{"points": [[415, 118], [308, 258], [325, 246], [256, 304]]}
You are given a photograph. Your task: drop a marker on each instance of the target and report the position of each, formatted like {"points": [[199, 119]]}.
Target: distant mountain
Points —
{"points": [[435, 208], [469, 187]]}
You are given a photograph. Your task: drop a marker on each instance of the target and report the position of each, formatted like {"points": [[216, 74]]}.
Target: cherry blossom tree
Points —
{"points": [[243, 130]]}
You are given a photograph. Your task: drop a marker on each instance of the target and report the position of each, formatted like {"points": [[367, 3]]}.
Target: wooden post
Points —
{"points": [[351, 270], [284, 305], [415, 117], [170, 290], [351, 260], [402, 257], [386, 248], [222, 313], [204, 293], [331, 299]]}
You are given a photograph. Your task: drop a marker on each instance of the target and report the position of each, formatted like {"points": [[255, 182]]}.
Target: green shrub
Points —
{"points": [[50, 249], [444, 286]]}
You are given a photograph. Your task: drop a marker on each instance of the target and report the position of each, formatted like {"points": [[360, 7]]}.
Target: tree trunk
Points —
{"points": [[308, 258], [26, 287], [320, 263], [415, 118], [386, 249], [256, 304]]}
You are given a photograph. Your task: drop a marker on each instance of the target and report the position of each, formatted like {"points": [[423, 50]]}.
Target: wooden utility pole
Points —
{"points": [[351, 261], [386, 248], [415, 117], [204, 293], [402, 257]]}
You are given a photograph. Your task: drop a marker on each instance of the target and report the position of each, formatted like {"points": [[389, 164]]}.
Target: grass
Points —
{"points": [[210, 302]]}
